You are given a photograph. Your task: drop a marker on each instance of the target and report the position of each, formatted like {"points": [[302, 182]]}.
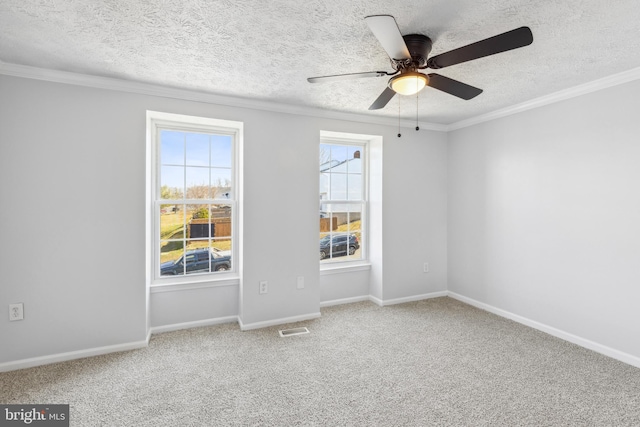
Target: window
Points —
{"points": [[194, 195], [343, 200]]}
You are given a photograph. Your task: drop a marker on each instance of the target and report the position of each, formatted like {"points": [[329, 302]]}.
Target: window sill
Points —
{"points": [[344, 268], [202, 283]]}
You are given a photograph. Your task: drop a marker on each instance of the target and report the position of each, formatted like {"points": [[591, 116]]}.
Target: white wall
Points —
{"points": [[72, 219], [176, 308], [415, 214], [280, 216], [544, 212], [541, 221], [72, 168], [345, 286], [408, 213]]}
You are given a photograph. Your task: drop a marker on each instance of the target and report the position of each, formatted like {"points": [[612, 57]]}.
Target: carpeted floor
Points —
{"points": [[435, 362]]}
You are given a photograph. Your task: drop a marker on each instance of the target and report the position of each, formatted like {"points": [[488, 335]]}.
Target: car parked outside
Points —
{"points": [[338, 245], [197, 261]]}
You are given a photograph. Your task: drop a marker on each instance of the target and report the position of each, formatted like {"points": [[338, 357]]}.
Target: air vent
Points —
{"points": [[294, 331]]}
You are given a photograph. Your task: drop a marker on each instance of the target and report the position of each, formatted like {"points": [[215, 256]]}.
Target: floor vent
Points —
{"points": [[294, 331]]}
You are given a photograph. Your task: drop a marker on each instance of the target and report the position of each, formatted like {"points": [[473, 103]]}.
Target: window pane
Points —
{"points": [[221, 155], [353, 227], [196, 161], [325, 156], [172, 182], [171, 147], [324, 186], [341, 179], [340, 231], [170, 253], [200, 228], [221, 253], [354, 220], [220, 183], [221, 219], [171, 222], [325, 247], [354, 187], [199, 222], [354, 249], [327, 222], [343, 220], [197, 152], [196, 211], [221, 245], [339, 153], [338, 184], [197, 183], [197, 259], [355, 161]]}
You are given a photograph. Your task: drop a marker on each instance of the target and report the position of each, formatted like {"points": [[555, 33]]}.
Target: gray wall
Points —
{"points": [[72, 218], [535, 214], [544, 215], [415, 193], [72, 167]]}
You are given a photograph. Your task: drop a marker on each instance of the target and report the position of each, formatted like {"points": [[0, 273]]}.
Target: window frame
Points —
{"points": [[157, 122], [361, 142]]}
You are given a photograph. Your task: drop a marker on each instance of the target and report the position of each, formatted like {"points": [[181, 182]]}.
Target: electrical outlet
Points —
{"points": [[300, 282], [425, 267], [264, 287], [16, 311]]}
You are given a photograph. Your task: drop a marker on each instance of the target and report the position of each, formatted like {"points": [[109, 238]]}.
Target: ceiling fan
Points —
{"points": [[409, 54]]}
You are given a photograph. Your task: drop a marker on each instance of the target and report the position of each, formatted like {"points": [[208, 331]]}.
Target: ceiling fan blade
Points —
{"points": [[453, 87], [386, 30], [513, 39], [383, 99], [349, 76]]}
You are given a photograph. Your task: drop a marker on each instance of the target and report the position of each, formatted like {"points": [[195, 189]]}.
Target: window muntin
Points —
{"points": [[194, 197], [342, 201]]}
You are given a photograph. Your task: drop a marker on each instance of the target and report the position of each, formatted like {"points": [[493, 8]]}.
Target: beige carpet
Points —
{"points": [[436, 362]]}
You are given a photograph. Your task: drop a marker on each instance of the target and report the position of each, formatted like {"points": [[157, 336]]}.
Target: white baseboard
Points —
{"points": [[62, 357], [194, 324], [345, 301], [72, 355], [591, 345], [274, 322], [376, 301], [386, 302]]}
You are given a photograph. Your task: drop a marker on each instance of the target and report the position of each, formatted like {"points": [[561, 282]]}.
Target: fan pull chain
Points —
{"points": [[399, 134], [417, 127]]}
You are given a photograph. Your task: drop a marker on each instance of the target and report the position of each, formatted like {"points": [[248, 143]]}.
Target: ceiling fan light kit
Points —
{"points": [[408, 83], [410, 53]]}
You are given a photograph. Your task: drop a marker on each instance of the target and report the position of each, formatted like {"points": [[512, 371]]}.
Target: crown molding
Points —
{"points": [[583, 89], [110, 83], [140, 88]]}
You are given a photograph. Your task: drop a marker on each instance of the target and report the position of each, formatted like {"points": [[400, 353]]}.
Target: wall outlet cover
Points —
{"points": [[16, 311]]}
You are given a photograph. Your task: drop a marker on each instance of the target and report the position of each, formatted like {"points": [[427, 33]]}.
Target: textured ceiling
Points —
{"points": [[265, 50]]}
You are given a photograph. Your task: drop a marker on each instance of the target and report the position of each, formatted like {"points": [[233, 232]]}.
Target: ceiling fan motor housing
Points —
{"points": [[419, 47]]}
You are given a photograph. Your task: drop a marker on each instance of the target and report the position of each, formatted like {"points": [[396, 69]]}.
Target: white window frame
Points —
{"points": [[157, 121], [362, 142]]}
